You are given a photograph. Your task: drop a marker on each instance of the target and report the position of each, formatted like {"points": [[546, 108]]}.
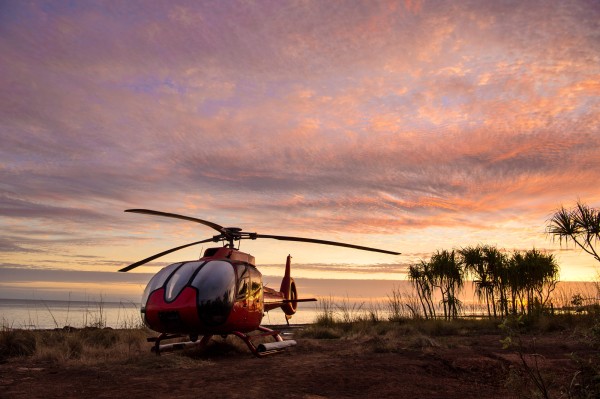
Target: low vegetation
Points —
{"points": [[85, 345], [389, 329], [331, 323], [517, 334]]}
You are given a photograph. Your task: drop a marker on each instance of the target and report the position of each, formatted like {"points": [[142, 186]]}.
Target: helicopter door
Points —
{"points": [[249, 306], [243, 290], [255, 296]]}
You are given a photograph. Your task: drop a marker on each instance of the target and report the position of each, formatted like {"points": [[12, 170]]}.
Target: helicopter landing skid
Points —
{"points": [[262, 350], [158, 348]]}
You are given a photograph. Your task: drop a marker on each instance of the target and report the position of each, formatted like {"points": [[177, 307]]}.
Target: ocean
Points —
{"points": [[45, 314], [48, 314]]}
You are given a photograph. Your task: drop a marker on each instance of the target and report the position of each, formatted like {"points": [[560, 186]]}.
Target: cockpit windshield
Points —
{"points": [[180, 279], [157, 282], [215, 283]]}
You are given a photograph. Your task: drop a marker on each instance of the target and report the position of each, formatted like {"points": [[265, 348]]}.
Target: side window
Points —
{"points": [[256, 282], [243, 278]]}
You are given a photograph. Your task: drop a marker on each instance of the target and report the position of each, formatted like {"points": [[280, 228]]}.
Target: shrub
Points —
{"points": [[382, 345], [72, 347], [438, 327], [16, 343], [100, 337], [317, 331]]}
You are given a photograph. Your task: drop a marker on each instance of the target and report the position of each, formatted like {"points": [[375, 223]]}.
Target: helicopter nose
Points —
{"points": [[179, 316]]}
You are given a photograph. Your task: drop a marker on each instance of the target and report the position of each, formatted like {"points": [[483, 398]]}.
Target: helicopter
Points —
{"points": [[221, 293]]}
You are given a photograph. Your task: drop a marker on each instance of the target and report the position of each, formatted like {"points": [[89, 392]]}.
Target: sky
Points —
{"points": [[412, 126]]}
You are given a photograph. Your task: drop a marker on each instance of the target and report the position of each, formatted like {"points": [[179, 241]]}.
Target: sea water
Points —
{"points": [[49, 314], [46, 314]]}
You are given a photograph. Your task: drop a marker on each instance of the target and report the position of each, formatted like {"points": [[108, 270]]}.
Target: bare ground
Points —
{"points": [[472, 366]]}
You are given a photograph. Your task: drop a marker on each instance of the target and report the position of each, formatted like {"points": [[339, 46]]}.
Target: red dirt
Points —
{"points": [[442, 367]]}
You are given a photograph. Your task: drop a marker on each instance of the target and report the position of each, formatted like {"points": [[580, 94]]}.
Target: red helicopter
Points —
{"points": [[220, 294]]}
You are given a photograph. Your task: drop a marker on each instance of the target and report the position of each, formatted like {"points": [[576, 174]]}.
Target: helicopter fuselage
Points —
{"points": [[219, 293]]}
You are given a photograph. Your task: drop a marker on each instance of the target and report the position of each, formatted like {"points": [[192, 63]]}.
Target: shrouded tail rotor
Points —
{"points": [[289, 291]]}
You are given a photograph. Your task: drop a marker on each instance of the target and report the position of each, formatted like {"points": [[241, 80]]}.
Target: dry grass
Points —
{"points": [[399, 333], [86, 345], [92, 345]]}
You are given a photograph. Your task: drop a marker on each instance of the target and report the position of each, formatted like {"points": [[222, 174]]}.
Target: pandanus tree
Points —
{"points": [[581, 225], [516, 282], [519, 283], [448, 277], [422, 279], [476, 266], [545, 276], [532, 277], [512, 283], [496, 264], [488, 268]]}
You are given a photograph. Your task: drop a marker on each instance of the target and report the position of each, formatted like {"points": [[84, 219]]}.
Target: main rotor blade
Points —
{"points": [[339, 244], [215, 226], [168, 251]]}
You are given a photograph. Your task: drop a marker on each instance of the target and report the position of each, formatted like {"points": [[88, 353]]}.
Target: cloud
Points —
{"points": [[360, 118]]}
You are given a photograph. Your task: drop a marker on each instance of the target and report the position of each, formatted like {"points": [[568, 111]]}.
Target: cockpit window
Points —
{"points": [[256, 285], [158, 280], [243, 282], [215, 283], [179, 279]]}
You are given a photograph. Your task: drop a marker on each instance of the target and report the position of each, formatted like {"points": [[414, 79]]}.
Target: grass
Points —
{"points": [[365, 327], [364, 333], [399, 325], [405, 329], [95, 342], [86, 345], [385, 327]]}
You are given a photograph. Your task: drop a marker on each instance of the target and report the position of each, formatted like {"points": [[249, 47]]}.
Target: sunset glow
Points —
{"points": [[409, 126]]}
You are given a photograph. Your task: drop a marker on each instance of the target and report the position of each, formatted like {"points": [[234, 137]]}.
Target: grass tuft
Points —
{"points": [[16, 343], [318, 331], [87, 345], [99, 337]]}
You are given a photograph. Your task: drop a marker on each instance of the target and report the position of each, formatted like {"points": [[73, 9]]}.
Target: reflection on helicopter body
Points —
{"points": [[204, 297]]}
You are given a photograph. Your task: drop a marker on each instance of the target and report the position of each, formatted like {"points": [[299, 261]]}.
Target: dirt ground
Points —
{"points": [[441, 367]]}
